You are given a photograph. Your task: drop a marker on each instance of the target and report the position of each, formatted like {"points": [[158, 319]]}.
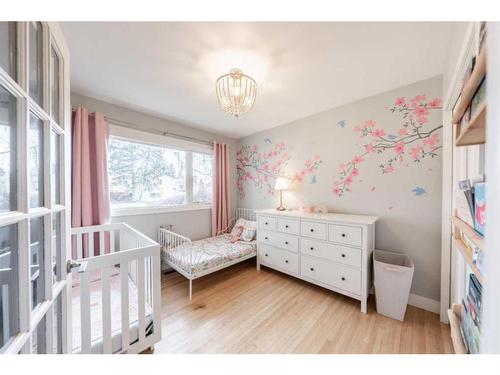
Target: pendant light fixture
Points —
{"points": [[236, 92]]}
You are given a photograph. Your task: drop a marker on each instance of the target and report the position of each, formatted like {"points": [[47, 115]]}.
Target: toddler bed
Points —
{"points": [[194, 259]]}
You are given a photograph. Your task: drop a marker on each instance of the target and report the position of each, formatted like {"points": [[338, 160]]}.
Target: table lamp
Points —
{"points": [[281, 184]]}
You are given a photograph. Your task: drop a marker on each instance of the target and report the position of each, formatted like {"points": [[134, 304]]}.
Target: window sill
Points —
{"points": [[131, 211]]}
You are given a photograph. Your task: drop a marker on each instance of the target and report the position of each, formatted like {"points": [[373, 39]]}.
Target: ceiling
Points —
{"points": [[168, 69]]}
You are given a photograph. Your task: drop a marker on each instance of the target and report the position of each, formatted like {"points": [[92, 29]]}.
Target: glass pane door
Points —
{"points": [[33, 202], [8, 48]]}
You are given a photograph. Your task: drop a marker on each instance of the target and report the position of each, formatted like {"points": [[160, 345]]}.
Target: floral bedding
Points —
{"points": [[208, 253]]}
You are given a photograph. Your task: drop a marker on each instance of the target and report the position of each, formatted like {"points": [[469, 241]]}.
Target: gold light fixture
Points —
{"points": [[236, 92]]}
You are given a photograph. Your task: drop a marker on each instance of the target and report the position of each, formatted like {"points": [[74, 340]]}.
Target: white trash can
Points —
{"points": [[393, 273]]}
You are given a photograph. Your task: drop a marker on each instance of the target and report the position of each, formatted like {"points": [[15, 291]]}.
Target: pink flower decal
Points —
{"points": [[388, 169], [369, 148], [357, 160], [432, 141], [402, 132], [400, 102], [435, 103], [416, 151], [378, 133], [399, 148]]}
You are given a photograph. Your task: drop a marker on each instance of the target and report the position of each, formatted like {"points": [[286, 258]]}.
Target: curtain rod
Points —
{"points": [[133, 126]]}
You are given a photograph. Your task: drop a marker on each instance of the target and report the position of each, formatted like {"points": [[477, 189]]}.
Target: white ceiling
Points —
{"points": [[169, 69]]}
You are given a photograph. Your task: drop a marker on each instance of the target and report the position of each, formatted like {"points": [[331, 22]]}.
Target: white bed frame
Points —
{"points": [[169, 239]]}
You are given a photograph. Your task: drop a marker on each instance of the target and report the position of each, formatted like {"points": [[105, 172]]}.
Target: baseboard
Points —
{"points": [[424, 303]]}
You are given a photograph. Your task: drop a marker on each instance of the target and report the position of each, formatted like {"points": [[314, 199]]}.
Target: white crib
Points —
{"points": [[195, 259], [116, 291]]}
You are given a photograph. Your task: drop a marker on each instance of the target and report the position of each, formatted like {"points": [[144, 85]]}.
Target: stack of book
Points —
{"points": [[471, 319]]}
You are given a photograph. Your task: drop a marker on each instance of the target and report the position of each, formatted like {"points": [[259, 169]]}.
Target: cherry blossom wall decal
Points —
{"points": [[262, 168], [415, 140]]}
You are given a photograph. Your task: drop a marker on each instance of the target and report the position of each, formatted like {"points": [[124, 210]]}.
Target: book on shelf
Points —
{"points": [[480, 207], [468, 191], [463, 208], [478, 99], [470, 325]]}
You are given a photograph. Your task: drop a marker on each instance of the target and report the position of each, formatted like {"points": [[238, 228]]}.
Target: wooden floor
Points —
{"points": [[242, 310]]}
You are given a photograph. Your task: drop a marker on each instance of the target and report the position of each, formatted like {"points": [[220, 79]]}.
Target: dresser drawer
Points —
{"points": [[284, 241], [267, 222], [313, 229], [336, 253], [345, 234], [277, 258], [290, 226], [329, 273]]}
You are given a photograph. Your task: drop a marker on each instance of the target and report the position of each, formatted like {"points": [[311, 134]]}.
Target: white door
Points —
{"points": [[35, 191]]}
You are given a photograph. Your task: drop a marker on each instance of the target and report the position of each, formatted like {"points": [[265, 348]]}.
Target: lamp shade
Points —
{"points": [[281, 183]]}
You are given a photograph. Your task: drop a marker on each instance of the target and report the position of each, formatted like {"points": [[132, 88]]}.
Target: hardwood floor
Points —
{"points": [[242, 310]]}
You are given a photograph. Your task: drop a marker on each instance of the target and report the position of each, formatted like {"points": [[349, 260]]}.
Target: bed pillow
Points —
{"points": [[249, 231], [236, 231]]}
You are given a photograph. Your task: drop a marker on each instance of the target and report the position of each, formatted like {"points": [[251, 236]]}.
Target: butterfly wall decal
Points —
{"points": [[418, 191]]}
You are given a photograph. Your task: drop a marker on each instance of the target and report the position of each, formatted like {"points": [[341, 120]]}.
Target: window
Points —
{"points": [[202, 177], [151, 174]]}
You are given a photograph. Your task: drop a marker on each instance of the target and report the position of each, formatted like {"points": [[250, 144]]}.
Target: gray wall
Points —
{"points": [[409, 223], [194, 224]]}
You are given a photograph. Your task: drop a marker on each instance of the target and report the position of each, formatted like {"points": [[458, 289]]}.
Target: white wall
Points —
{"points": [[194, 224]]}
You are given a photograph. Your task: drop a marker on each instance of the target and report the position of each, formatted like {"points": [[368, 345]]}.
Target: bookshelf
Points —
{"points": [[475, 132], [468, 105]]}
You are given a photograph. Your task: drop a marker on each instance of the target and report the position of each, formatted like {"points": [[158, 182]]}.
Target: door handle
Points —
{"points": [[82, 266]]}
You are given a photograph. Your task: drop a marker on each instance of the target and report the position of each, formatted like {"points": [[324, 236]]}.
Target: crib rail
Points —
{"points": [[126, 259]]}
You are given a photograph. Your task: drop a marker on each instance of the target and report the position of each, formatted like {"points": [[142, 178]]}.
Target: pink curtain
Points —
{"points": [[221, 209], [90, 192]]}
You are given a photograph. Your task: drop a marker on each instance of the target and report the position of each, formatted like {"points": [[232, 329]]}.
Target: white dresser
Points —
{"points": [[330, 250]]}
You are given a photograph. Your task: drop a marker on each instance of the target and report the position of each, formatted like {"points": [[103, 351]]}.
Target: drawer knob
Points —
{"points": [[312, 248], [343, 234], [286, 261], [312, 269], [266, 238], [343, 255], [266, 255], [312, 230], [342, 278], [286, 226], [286, 242], [266, 223]]}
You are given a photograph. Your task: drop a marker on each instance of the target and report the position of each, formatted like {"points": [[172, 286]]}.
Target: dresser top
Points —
{"points": [[345, 218]]}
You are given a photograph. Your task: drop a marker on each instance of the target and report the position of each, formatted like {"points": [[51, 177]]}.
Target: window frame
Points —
{"points": [[149, 138]]}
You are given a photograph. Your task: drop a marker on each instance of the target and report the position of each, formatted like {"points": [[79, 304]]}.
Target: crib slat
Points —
{"points": [[106, 310], [125, 305], [102, 244], [112, 241], [140, 299], [91, 244], [155, 278], [79, 253], [85, 312]]}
